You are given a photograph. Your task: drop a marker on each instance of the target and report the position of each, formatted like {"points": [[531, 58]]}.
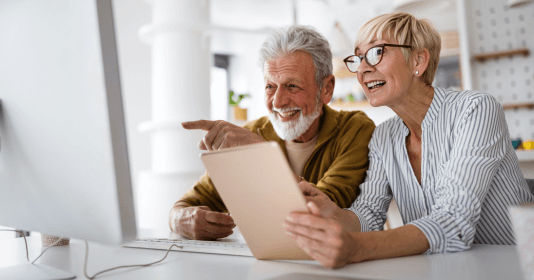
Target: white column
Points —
{"points": [[465, 52], [180, 92]]}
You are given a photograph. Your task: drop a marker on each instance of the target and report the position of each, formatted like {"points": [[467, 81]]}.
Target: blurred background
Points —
{"points": [[183, 60]]}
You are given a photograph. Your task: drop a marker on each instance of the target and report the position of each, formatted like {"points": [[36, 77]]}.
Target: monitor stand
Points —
{"points": [[35, 271]]}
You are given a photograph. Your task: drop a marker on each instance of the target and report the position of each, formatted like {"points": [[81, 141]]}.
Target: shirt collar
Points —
{"points": [[431, 114], [435, 106]]}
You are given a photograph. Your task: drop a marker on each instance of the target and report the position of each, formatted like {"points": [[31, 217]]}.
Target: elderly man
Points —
{"points": [[324, 147]]}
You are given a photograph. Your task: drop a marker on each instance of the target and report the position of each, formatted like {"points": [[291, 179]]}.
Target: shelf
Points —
{"points": [[525, 155], [449, 53], [510, 106], [350, 104], [497, 55], [344, 73]]}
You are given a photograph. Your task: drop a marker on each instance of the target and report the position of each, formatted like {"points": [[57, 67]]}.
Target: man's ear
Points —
{"points": [[328, 89], [421, 59]]}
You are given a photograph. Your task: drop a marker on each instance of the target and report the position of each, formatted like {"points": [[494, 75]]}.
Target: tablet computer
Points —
{"points": [[259, 189]]}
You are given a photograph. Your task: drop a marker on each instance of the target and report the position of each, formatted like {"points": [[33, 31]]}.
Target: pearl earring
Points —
{"points": [[416, 72]]}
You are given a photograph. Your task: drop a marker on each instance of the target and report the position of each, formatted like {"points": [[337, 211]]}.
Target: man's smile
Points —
{"points": [[287, 114]]}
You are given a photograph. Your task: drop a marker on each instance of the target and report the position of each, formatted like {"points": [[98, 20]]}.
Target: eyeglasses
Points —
{"points": [[373, 56]]}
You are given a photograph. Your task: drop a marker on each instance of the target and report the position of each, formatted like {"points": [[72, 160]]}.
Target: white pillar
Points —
{"points": [[465, 52], [180, 92]]}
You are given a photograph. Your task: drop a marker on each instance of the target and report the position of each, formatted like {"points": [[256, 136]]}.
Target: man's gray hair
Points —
{"points": [[292, 39]]}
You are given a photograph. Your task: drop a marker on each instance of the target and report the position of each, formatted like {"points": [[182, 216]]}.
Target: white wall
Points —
{"points": [[251, 14]]}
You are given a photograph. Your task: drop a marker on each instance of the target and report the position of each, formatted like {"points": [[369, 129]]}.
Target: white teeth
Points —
{"points": [[375, 83], [287, 114]]}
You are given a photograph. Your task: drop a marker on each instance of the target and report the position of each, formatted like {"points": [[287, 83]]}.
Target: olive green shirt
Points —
{"points": [[337, 165]]}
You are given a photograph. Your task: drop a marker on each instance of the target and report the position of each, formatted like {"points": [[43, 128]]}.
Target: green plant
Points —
{"points": [[235, 99]]}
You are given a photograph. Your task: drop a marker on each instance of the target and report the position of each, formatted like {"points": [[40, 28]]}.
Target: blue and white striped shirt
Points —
{"points": [[469, 174]]}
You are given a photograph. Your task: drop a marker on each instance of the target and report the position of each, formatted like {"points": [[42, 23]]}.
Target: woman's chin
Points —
{"points": [[375, 102]]}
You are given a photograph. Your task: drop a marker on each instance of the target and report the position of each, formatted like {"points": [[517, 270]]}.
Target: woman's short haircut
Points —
{"points": [[293, 39], [405, 29]]}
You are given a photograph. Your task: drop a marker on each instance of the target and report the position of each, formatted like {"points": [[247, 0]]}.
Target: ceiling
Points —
{"points": [[322, 14]]}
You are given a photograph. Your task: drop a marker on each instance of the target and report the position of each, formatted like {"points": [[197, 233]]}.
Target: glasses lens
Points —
{"points": [[353, 63], [374, 55]]}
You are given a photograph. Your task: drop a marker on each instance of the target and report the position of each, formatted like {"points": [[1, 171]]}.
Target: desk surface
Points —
{"points": [[481, 262]]}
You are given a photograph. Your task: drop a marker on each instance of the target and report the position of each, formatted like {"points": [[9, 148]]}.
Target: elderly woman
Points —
{"points": [[446, 158]]}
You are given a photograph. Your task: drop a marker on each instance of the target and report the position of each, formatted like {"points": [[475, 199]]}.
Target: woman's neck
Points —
{"points": [[414, 107]]}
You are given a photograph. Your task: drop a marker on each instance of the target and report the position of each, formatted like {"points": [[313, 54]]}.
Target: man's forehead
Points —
{"points": [[289, 67], [298, 57], [282, 77]]}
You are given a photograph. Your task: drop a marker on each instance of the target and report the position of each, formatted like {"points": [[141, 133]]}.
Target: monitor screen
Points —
{"points": [[63, 156]]}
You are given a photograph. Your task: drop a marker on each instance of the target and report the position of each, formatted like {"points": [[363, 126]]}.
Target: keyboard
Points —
{"points": [[223, 247]]}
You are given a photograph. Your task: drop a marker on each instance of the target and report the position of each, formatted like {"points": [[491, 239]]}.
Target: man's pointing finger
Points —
{"points": [[200, 124]]}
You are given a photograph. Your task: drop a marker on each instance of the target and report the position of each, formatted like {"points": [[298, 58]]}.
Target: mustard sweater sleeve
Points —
{"points": [[350, 161], [203, 193]]}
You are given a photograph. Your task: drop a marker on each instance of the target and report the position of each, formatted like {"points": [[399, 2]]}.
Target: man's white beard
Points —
{"points": [[291, 130]]}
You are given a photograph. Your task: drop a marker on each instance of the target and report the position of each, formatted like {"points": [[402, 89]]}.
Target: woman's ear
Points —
{"points": [[421, 59]]}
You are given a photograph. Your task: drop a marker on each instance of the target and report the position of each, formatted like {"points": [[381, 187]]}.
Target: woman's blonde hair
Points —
{"points": [[405, 29]]}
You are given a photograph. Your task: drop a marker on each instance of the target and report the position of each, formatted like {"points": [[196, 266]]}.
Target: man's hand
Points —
{"points": [[200, 223], [222, 134]]}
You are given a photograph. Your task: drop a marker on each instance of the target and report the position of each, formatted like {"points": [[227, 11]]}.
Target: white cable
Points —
{"points": [[26, 242], [113, 268], [54, 244], [21, 233], [87, 256]]}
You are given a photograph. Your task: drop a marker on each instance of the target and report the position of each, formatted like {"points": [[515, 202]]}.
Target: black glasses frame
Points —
{"points": [[364, 56]]}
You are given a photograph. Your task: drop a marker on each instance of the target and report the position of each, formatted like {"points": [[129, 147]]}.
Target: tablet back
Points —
{"points": [[258, 188]]}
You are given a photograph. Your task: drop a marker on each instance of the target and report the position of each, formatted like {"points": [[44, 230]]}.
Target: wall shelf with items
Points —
{"points": [[449, 53], [524, 105], [350, 104], [344, 73], [524, 155], [497, 55], [377, 114]]}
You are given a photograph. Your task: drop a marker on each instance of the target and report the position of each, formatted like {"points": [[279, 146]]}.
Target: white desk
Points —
{"points": [[481, 262]]}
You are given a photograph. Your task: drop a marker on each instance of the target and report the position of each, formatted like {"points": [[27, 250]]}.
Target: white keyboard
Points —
{"points": [[223, 247]]}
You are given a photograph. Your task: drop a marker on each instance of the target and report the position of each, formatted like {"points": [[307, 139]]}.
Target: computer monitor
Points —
{"points": [[64, 167]]}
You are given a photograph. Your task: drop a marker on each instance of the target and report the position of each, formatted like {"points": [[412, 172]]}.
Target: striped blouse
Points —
{"points": [[469, 174]]}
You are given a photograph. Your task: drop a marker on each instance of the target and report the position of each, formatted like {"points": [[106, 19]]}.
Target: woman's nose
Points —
{"points": [[364, 67]]}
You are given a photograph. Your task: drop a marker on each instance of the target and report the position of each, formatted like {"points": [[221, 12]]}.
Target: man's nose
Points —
{"points": [[280, 98]]}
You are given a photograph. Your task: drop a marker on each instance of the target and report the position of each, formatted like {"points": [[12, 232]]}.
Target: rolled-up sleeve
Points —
{"points": [[479, 145]]}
